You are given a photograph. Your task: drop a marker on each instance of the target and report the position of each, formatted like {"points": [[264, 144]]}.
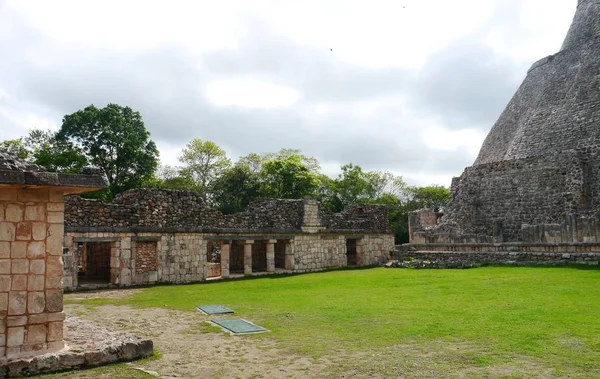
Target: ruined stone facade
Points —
{"points": [[151, 236], [537, 176], [31, 267]]}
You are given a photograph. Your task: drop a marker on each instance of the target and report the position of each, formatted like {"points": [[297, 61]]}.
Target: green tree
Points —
{"points": [[434, 197], [168, 177], [204, 162], [115, 140], [287, 178], [54, 154], [236, 188], [16, 147]]}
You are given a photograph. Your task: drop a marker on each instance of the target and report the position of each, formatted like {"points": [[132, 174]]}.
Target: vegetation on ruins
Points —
{"points": [[415, 323], [115, 140]]}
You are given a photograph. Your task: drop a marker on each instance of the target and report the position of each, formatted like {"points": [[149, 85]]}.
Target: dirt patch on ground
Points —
{"points": [[191, 348]]}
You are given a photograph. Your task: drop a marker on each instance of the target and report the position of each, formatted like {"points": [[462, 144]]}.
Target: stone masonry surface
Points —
{"points": [[539, 166]]}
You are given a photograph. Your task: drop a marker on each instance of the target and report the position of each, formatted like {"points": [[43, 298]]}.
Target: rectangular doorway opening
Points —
{"points": [[213, 259], [351, 254], [94, 263], [280, 254]]}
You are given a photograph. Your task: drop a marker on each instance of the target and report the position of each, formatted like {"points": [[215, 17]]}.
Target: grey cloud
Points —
{"points": [[464, 86]]}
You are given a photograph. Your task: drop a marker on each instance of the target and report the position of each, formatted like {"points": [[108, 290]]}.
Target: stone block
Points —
{"points": [[23, 231], [37, 266], [15, 336], [54, 300], [5, 281], [13, 213], [19, 283], [56, 345], [5, 266], [4, 250], [7, 231], [36, 334], [40, 318], [35, 282], [16, 321], [152, 276], [38, 231], [8, 194], [58, 316], [19, 266], [54, 266], [18, 249], [2, 340], [56, 196], [56, 207], [55, 331], [37, 194], [36, 302], [17, 302], [35, 212], [36, 249], [54, 282], [54, 242], [3, 302], [56, 217]]}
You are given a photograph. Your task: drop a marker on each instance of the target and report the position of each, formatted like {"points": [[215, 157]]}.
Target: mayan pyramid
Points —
{"points": [[540, 163]]}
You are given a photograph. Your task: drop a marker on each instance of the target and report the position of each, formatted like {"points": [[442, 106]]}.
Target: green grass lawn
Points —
{"points": [[548, 315]]}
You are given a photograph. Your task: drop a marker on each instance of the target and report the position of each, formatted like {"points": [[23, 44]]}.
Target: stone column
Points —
{"points": [[225, 249], [271, 255], [360, 252], [248, 257], [289, 255]]}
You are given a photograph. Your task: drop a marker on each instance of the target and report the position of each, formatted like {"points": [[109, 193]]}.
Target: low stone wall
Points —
{"points": [[464, 255]]}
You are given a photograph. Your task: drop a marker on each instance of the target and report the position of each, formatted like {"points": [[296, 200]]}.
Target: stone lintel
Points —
{"points": [[146, 238], [98, 239]]}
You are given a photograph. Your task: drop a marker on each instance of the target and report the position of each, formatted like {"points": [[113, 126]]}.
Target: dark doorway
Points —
{"points": [[351, 256], [213, 259], [94, 263], [236, 257], [259, 256], [280, 254]]}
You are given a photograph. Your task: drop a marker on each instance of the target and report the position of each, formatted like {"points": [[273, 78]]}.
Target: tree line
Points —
{"points": [[115, 140]]}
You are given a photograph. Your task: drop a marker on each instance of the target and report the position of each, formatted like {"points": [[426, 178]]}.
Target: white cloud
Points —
{"points": [[249, 93]]}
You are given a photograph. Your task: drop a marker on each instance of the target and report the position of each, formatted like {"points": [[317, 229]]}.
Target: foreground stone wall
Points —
{"points": [[31, 269]]}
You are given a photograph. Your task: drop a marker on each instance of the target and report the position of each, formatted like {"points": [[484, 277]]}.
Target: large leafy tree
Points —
{"points": [[288, 178], [434, 197], [236, 188], [115, 140], [204, 162]]}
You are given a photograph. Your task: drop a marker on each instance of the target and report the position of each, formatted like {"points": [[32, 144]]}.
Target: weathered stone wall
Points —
{"points": [[465, 255], [541, 160], [162, 209], [558, 105], [496, 199], [146, 257], [31, 269]]}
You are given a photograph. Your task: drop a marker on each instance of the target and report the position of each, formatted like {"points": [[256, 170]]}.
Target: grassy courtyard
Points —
{"points": [[492, 321]]}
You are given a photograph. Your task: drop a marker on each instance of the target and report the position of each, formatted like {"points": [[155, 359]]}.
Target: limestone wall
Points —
{"points": [[182, 257], [31, 269], [494, 200]]}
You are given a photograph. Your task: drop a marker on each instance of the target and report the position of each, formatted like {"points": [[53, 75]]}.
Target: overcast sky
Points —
{"points": [[409, 86]]}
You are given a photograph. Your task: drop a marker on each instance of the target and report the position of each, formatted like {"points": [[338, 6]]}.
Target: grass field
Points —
{"points": [[544, 318]]}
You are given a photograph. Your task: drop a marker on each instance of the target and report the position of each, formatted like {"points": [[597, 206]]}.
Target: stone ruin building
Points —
{"points": [[533, 193], [31, 247], [148, 236]]}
